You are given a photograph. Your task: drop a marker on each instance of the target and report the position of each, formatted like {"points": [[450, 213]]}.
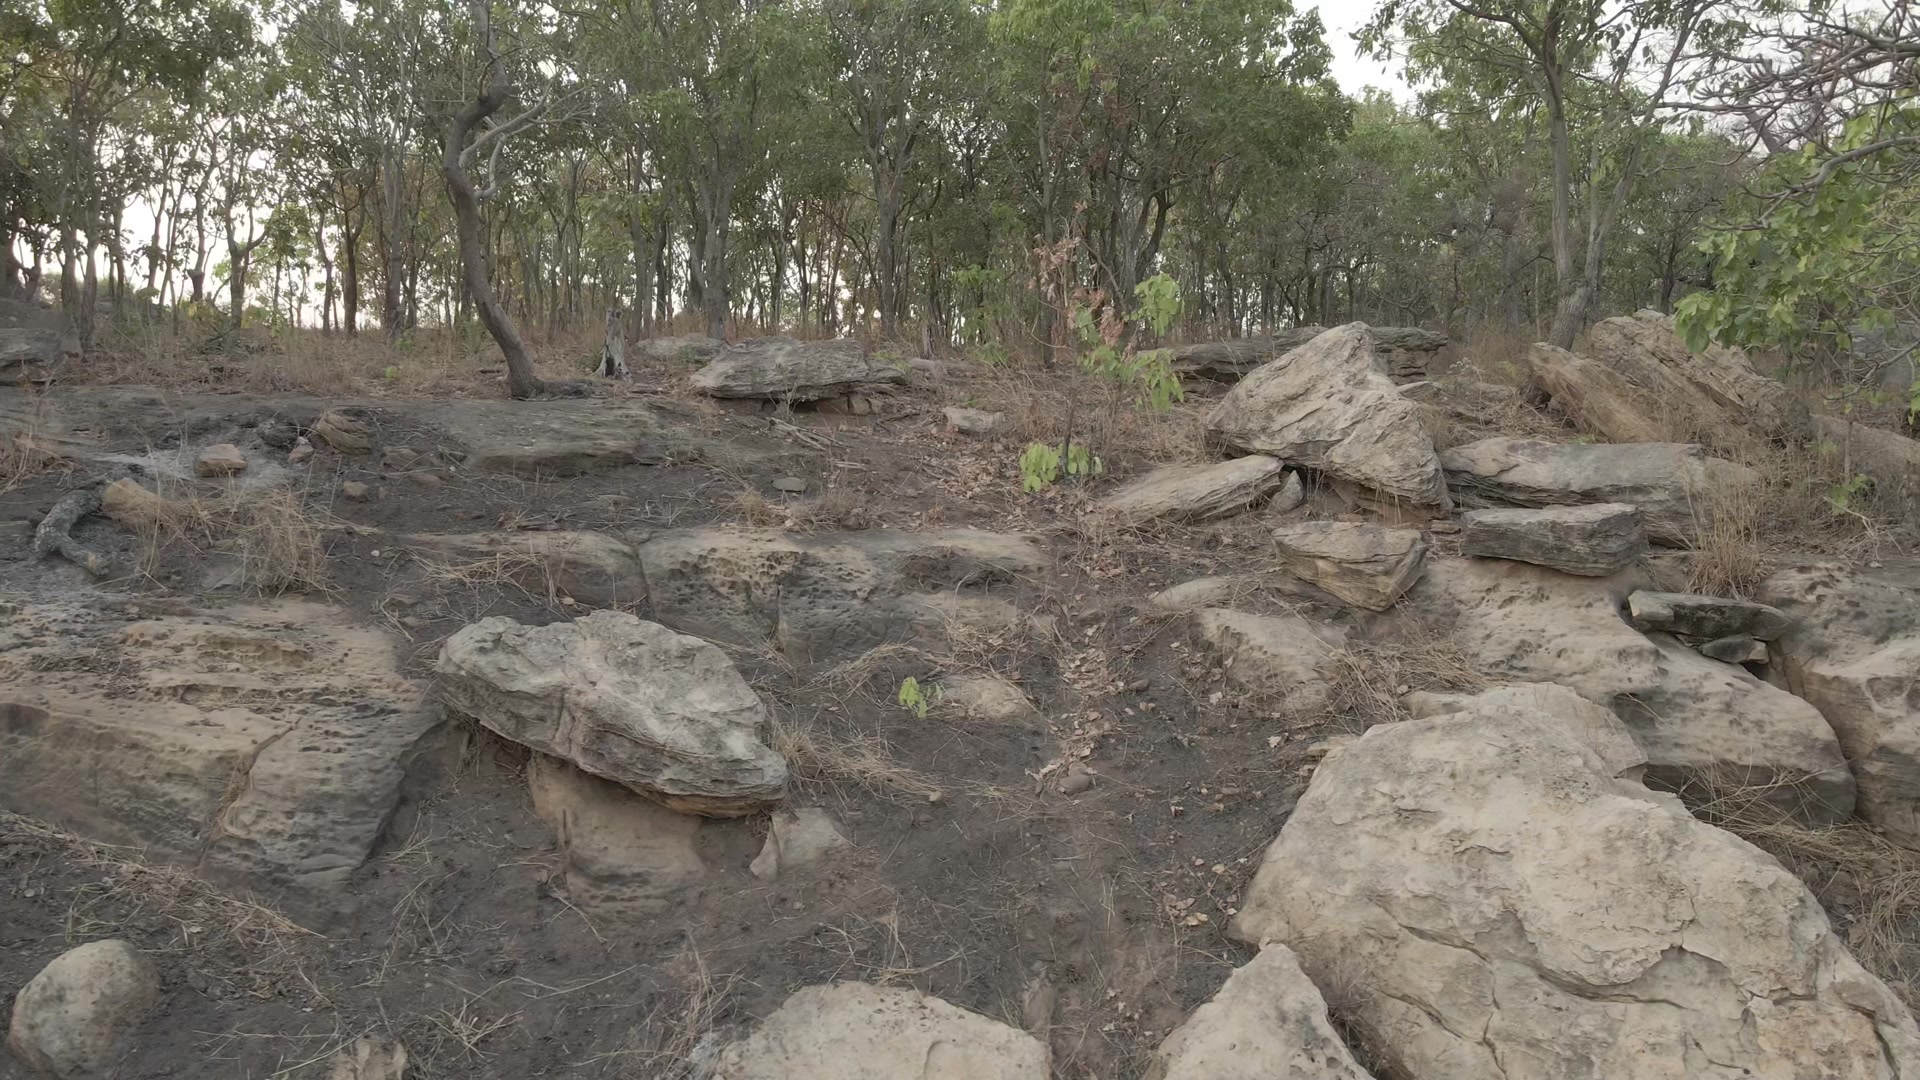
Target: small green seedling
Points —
{"points": [[915, 700]]}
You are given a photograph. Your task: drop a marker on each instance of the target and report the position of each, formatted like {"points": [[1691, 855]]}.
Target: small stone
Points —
{"points": [[73, 1017], [427, 480], [355, 491], [1076, 781], [221, 459], [792, 485], [796, 839], [302, 450], [860, 405], [976, 422], [1707, 617], [343, 432], [397, 458]]}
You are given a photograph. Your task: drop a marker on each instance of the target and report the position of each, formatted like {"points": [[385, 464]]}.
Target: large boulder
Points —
{"points": [[1714, 392], [36, 344], [1365, 565], [679, 349], [1668, 482], [1854, 652], [1505, 905], [1596, 397], [1268, 1022], [1287, 656], [1328, 406], [1706, 727], [1889, 459], [622, 853], [1198, 492], [856, 1031], [659, 712], [784, 369], [73, 1019], [1592, 541], [1405, 352]]}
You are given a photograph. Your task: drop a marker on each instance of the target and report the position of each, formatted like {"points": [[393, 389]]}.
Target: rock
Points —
{"points": [[1714, 392], [221, 459], [828, 597], [1503, 906], [1596, 397], [661, 713], [343, 431], [1600, 730], [976, 422], [679, 349], [398, 458], [1668, 482], [430, 481], [1703, 725], [132, 505], [1595, 540], [792, 485], [855, 1031], [1198, 492], [1890, 460], [1327, 406], [1854, 652], [621, 852], [1078, 781], [1690, 615], [302, 450], [355, 491], [783, 369], [559, 438], [1195, 594], [1738, 649], [988, 697], [796, 839], [263, 745], [1291, 496], [369, 1059], [73, 1019], [1283, 655], [597, 569], [1267, 1022], [1405, 352], [36, 343], [1366, 565]]}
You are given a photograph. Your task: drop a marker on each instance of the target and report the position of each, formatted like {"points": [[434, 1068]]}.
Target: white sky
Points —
{"points": [[1354, 71]]}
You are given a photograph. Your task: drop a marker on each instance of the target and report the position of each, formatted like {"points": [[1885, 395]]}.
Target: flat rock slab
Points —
{"points": [[1287, 656], [1594, 541], [679, 349], [1668, 482], [1712, 392], [1268, 1022], [1198, 492], [661, 713], [1704, 617], [855, 1031], [785, 369], [264, 744], [1368, 566], [1406, 352]]}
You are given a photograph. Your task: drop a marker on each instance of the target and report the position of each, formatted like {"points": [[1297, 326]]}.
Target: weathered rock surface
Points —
{"points": [[1593, 541], [1854, 652], [1506, 907], [1365, 565], [596, 569], [1328, 406], [1292, 493], [1890, 460], [369, 1059], [835, 596], [259, 743], [1597, 398], [1694, 717], [679, 348], [1668, 482], [1708, 617], [1195, 594], [221, 459], [1714, 391], [797, 839], [783, 369], [1198, 492], [135, 506], [854, 1031], [73, 1019], [661, 713], [344, 431], [1405, 351], [1600, 730], [1268, 1022], [1737, 649], [36, 344], [988, 697], [1284, 655], [976, 422], [621, 852]]}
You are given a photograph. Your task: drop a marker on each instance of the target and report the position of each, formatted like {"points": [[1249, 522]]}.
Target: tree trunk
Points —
{"points": [[613, 351], [393, 223]]}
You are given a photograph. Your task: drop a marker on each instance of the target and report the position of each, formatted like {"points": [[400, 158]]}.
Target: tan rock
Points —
{"points": [[784, 369], [976, 422], [854, 1031], [797, 839], [369, 1059], [221, 459], [1268, 1022], [1198, 492], [988, 697], [1715, 392], [1598, 398], [1366, 565], [1593, 541], [355, 491], [621, 852], [343, 432], [73, 1019], [1283, 655], [135, 506], [1195, 594]]}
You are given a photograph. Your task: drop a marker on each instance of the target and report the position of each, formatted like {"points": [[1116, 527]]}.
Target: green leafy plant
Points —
{"points": [[915, 700], [1040, 465], [1841, 496], [392, 374]]}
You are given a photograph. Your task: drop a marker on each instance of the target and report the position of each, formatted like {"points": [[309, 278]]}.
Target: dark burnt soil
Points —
{"points": [[1097, 918]]}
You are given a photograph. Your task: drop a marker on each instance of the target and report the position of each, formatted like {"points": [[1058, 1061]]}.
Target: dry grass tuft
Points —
{"points": [[1746, 529], [23, 457], [862, 758], [280, 540], [1370, 679], [756, 509]]}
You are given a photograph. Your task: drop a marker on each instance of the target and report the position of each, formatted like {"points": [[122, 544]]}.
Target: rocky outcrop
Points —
{"points": [[1668, 482], [835, 596], [1854, 652], [595, 569], [855, 1031], [1198, 492], [36, 344], [783, 369], [1268, 1022], [1596, 397], [1713, 392], [1289, 657], [1690, 615], [679, 349], [264, 743], [1592, 541], [1406, 352], [1505, 906], [73, 1020], [1600, 730], [1366, 565], [1704, 726], [1328, 406], [659, 712], [621, 852]]}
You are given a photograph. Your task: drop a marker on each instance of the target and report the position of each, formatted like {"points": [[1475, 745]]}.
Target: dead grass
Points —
{"points": [[1369, 680], [23, 457], [818, 753], [280, 540], [1746, 530]]}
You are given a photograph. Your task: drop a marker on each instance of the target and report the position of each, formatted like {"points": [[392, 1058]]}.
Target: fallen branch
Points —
{"points": [[53, 534]]}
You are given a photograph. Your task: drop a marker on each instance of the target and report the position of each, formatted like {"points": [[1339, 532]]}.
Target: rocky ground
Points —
{"points": [[678, 731]]}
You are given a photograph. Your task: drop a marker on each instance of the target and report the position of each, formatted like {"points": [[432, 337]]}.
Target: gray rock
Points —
{"points": [[797, 839], [1714, 392], [1668, 482], [1368, 566], [1291, 496], [661, 713], [72, 1020], [1198, 492], [855, 1031], [1595, 540], [1268, 1022], [1286, 656], [1406, 352], [1738, 649], [792, 485], [1198, 593], [1328, 406], [976, 422], [1597, 398], [783, 369], [1708, 617], [680, 349]]}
